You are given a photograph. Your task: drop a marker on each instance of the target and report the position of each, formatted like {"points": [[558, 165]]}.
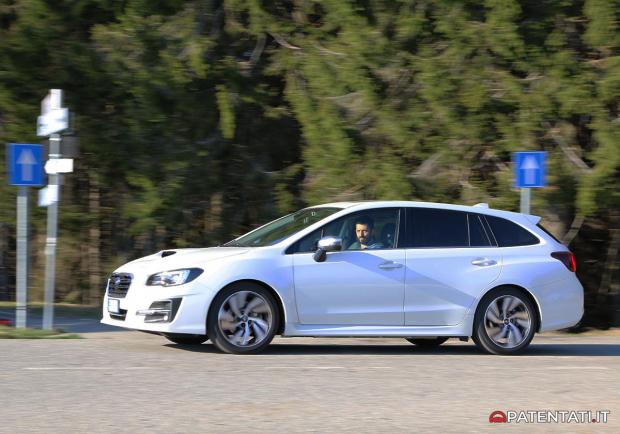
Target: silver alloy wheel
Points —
{"points": [[507, 321], [245, 319]]}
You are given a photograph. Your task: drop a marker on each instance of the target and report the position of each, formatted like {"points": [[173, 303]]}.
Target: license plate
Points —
{"points": [[113, 305]]}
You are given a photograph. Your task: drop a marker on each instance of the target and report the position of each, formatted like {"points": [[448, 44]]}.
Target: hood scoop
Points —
{"points": [[167, 253]]}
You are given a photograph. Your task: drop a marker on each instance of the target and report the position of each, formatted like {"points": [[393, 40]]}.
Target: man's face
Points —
{"points": [[363, 233]]}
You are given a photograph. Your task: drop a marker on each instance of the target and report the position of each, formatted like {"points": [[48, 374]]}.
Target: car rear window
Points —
{"points": [[509, 234]]}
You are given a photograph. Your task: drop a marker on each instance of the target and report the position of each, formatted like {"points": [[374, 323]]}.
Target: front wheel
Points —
{"points": [[243, 318], [505, 322], [427, 342]]}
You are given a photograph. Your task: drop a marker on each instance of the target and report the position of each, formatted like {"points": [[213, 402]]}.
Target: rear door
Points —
{"points": [[450, 258]]}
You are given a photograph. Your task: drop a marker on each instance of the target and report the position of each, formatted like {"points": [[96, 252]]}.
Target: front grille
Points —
{"points": [[119, 285]]}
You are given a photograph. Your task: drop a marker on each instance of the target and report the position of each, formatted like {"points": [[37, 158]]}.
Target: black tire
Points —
{"points": [[218, 335], [185, 339], [427, 342], [483, 325]]}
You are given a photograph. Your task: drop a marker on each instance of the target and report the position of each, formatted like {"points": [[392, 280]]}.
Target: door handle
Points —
{"points": [[390, 265], [483, 262]]}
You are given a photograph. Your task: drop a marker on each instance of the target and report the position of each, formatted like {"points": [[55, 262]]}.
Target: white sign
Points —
{"points": [[53, 117], [59, 165], [48, 195], [52, 101], [52, 122]]}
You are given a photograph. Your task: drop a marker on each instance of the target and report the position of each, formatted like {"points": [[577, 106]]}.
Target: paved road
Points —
{"points": [[134, 382]]}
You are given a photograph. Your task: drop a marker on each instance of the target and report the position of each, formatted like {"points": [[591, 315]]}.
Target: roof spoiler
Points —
{"points": [[533, 218]]}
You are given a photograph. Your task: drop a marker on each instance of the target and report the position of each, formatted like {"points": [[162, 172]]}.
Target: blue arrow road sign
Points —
{"points": [[25, 164], [529, 169]]}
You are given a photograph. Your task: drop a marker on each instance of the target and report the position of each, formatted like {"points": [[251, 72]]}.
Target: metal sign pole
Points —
{"points": [[25, 168], [22, 258], [525, 200], [50, 245], [54, 119]]}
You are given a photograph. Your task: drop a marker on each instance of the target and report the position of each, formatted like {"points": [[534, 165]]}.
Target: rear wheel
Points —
{"points": [[243, 318], [427, 342], [185, 339], [505, 322]]}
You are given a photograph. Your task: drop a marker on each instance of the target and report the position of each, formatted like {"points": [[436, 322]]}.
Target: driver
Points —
{"points": [[364, 226]]}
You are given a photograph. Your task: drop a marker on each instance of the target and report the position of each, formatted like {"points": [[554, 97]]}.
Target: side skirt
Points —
{"points": [[463, 329]]}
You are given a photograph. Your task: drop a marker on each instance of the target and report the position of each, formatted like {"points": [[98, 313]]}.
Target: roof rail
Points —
{"points": [[482, 205]]}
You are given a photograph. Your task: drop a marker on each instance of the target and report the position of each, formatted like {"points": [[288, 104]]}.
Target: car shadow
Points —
{"points": [[564, 349]]}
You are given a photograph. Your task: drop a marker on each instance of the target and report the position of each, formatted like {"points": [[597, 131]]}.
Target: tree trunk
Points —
{"points": [[574, 229], [94, 237], [609, 285], [4, 269]]}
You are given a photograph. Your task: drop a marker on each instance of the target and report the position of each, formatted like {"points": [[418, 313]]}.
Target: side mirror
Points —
{"points": [[327, 244]]}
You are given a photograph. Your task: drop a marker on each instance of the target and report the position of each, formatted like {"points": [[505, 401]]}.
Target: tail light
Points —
{"points": [[567, 258]]}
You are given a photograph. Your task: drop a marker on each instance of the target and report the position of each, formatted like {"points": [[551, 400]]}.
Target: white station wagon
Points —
{"points": [[426, 272]]}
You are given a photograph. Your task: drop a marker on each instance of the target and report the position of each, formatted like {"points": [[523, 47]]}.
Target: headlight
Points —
{"points": [[174, 277]]}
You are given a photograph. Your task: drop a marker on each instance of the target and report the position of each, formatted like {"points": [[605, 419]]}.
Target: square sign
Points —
{"points": [[25, 164], [530, 169], [53, 122], [54, 118]]}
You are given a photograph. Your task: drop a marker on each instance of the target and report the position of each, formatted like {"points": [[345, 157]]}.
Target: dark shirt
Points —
{"points": [[372, 244]]}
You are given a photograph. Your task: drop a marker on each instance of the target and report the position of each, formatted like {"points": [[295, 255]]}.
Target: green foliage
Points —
{"points": [[602, 32], [227, 113]]}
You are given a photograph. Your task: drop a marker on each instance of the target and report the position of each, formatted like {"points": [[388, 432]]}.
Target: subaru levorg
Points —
{"points": [[426, 272]]}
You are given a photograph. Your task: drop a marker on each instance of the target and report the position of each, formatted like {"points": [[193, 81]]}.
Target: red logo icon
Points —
{"points": [[498, 417]]}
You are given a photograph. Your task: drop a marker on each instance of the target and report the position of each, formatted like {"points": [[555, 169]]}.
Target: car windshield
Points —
{"points": [[282, 228]]}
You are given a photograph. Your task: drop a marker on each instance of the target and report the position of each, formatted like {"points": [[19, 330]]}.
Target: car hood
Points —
{"points": [[180, 258]]}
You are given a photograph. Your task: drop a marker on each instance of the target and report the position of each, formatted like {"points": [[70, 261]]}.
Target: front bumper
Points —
{"points": [[189, 304]]}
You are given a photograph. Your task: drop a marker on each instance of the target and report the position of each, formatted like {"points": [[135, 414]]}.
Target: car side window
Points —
{"points": [[432, 227], [383, 222], [509, 234], [478, 236], [309, 242]]}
